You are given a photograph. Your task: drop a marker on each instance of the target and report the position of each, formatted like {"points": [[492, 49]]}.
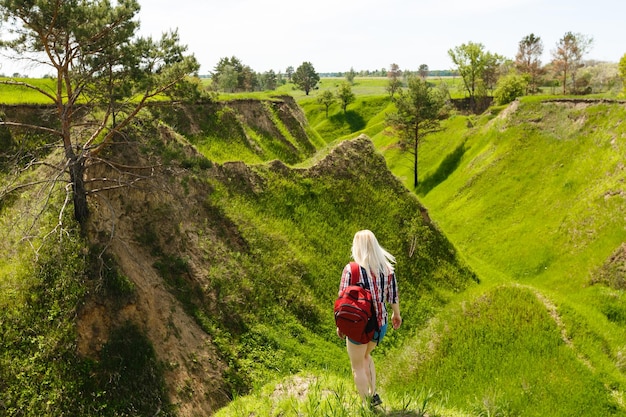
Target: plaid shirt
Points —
{"points": [[384, 290]]}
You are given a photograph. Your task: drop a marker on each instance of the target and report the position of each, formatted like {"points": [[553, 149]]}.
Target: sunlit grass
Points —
{"points": [[501, 349], [361, 87], [332, 395], [527, 196], [17, 94], [531, 201], [543, 189]]}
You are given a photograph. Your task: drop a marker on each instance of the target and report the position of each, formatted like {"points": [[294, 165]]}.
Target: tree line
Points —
{"points": [[483, 73]]}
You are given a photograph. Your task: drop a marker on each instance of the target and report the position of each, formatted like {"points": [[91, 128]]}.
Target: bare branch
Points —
{"points": [[27, 185], [126, 176], [49, 187], [118, 166], [33, 127], [59, 226]]}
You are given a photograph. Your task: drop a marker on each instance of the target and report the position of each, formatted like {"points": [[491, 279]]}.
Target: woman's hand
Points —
{"points": [[396, 320], [341, 335]]}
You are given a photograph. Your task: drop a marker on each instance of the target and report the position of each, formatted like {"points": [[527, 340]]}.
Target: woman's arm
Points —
{"points": [[345, 278], [396, 318]]}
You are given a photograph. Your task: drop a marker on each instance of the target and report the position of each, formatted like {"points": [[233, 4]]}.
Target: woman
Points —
{"points": [[377, 275]]}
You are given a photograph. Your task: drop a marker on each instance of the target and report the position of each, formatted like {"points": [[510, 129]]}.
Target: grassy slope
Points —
{"points": [[263, 301], [16, 94], [477, 358], [547, 181], [532, 197], [502, 352], [299, 218], [543, 348]]}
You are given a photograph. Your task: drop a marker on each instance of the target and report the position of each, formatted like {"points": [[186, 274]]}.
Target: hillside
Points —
{"points": [[533, 194], [246, 130], [513, 345], [550, 174], [207, 284], [203, 280]]}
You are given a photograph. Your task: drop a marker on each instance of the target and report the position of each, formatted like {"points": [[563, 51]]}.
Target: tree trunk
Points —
{"points": [[77, 177]]}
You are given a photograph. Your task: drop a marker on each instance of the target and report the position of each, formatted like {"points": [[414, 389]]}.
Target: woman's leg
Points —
{"points": [[363, 369], [371, 368], [371, 374], [357, 362]]}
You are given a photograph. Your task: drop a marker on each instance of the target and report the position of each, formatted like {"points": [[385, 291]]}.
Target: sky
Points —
{"points": [[337, 35]]}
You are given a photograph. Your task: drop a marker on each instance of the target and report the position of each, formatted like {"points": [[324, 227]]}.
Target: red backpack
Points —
{"points": [[354, 309]]}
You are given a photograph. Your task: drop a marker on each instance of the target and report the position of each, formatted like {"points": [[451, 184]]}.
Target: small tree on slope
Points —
{"points": [[418, 112]]}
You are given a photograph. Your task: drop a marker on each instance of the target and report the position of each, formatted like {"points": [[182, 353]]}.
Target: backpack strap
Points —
{"points": [[355, 273]]}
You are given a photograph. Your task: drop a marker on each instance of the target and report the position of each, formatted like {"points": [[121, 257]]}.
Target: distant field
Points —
{"points": [[16, 94], [362, 86]]}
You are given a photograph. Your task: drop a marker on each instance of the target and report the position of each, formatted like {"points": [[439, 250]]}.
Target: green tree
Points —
{"points": [[469, 60], [327, 98], [226, 74], [423, 71], [248, 80], [345, 95], [350, 75], [568, 55], [622, 70], [528, 60], [268, 80], [477, 68], [101, 69], [228, 79], [305, 77], [289, 73], [419, 110], [395, 83], [494, 64], [246, 77], [509, 88]]}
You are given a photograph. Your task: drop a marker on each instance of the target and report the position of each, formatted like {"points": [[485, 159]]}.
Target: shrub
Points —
{"points": [[509, 88]]}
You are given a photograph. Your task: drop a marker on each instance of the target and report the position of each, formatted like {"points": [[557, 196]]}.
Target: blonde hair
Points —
{"points": [[369, 254]]}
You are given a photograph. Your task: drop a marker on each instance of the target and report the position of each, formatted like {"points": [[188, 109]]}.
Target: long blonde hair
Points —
{"points": [[367, 252]]}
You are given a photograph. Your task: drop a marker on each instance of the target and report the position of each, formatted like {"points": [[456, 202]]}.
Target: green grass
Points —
{"points": [[530, 199], [502, 350], [522, 198], [542, 182], [510, 194], [15, 94], [267, 307], [293, 216], [361, 87], [247, 130], [365, 115], [330, 395]]}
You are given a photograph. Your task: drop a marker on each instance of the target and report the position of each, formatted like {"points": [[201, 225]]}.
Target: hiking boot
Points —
{"points": [[376, 401]]}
